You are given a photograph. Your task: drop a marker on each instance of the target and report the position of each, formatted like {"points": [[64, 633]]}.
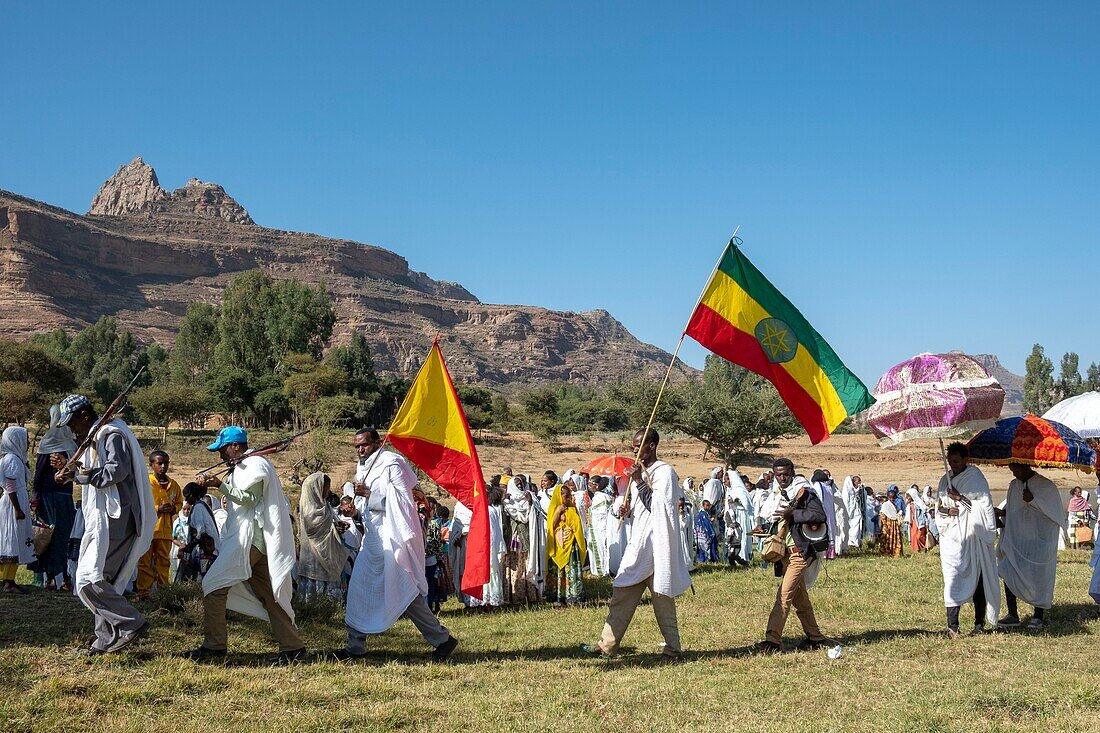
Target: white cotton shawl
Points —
{"points": [[15, 533], [233, 565], [598, 513], [917, 498], [967, 543], [655, 548], [57, 438], [321, 551], [100, 505], [743, 515], [1028, 551], [389, 570], [842, 523], [713, 490]]}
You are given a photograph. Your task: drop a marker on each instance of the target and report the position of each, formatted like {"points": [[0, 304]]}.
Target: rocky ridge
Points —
{"points": [[134, 189], [143, 254]]}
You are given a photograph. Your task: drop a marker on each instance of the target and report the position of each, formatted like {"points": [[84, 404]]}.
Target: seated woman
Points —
{"points": [[321, 552]]}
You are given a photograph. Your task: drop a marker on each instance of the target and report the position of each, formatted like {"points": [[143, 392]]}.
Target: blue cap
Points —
{"points": [[70, 406], [227, 435]]}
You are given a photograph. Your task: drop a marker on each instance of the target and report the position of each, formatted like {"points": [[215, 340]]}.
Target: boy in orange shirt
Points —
{"points": [[168, 499]]}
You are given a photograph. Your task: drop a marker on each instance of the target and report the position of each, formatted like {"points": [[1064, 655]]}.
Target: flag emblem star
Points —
{"points": [[776, 338]]}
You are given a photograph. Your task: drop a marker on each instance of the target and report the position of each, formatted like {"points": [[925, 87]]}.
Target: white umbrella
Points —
{"points": [[1081, 414]]}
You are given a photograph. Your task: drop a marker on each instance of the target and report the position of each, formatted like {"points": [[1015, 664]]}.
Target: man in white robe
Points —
{"points": [[654, 557], [968, 528], [1028, 551], [252, 573], [388, 580], [118, 521]]}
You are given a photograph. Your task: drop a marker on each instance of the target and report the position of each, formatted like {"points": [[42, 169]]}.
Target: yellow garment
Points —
{"points": [[162, 494], [571, 521]]}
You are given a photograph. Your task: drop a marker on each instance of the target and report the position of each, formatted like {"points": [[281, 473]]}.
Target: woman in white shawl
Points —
{"points": [[739, 510], [321, 552], [16, 545], [687, 519], [598, 509]]}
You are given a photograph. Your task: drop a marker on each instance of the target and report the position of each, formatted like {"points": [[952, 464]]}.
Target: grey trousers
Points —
{"points": [[422, 617], [113, 614]]}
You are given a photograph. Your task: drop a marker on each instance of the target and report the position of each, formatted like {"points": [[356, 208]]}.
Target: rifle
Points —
{"points": [[277, 447], [108, 415]]}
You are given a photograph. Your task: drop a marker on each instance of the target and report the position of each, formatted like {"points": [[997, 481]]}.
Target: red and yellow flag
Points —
{"points": [[431, 430]]}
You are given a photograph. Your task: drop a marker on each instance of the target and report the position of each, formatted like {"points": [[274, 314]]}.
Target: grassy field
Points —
{"points": [[898, 671]]}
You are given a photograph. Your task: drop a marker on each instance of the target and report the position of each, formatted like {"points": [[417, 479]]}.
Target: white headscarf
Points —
{"points": [[717, 472], [917, 498], [57, 438], [14, 444]]}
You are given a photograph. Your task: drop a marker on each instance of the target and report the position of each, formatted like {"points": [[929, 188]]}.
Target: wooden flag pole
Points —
{"points": [[672, 363]]}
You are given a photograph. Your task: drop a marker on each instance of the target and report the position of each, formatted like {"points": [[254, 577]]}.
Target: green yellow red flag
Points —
{"points": [[430, 429], [745, 320]]}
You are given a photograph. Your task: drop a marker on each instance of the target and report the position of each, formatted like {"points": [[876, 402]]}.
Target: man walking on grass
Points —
{"points": [[654, 556]]}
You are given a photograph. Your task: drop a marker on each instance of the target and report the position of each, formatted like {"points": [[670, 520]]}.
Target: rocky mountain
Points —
{"points": [[1013, 384], [143, 254]]}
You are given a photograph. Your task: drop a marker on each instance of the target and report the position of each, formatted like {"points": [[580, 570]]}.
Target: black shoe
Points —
{"points": [[283, 659], [90, 651], [126, 638], [343, 655], [809, 645], [444, 650], [979, 631], [769, 647], [202, 654]]}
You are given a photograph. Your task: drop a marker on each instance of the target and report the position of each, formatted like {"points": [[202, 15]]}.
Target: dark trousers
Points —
{"points": [[979, 608], [1010, 602]]}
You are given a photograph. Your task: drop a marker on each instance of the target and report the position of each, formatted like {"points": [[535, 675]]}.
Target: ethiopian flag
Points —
{"points": [[745, 320], [431, 431]]}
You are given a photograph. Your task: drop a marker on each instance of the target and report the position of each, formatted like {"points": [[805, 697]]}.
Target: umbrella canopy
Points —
{"points": [[1081, 414], [608, 466], [934, 396], [1033, 441]]}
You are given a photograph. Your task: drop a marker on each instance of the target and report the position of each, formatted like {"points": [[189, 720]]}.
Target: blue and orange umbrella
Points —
{"points": [[1032, 441]]}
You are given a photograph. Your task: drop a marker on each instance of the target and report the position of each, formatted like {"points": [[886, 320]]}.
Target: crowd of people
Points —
{"points": [[384, 549]]}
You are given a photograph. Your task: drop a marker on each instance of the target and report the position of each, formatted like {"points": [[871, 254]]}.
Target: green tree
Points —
{"points": [[155, 360], [1069, 378], [477, 403], [31, 377], [103, 359], [1038, 382], [161, 404], [733, 411], [1092, 379], [193, 352], [309, 381], [231, 392]]}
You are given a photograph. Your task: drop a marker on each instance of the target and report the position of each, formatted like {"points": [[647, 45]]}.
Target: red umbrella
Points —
{"points": [[608, 466]]}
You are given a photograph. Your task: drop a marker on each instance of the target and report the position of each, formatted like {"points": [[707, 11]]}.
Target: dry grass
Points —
{"points": [[898, 672]]}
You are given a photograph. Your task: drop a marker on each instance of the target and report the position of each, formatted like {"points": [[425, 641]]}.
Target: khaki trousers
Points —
{"points": [[624, 602], [154, 566], [792, 592], [213, 605]]}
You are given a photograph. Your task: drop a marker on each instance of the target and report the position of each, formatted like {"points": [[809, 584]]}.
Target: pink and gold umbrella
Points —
{"points": [[934, 396]]}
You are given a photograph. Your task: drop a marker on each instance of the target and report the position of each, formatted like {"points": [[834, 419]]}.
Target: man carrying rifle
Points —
{"points": [[252, 572], [119, 516]]}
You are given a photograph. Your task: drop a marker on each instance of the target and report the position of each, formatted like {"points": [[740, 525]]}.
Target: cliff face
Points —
{"points": [[143, 254]]}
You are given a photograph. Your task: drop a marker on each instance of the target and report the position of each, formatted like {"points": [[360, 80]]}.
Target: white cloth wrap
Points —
{"points": [[98, 506], [1028, 552], [389, 569], [655, 548], [967, 543], [233, 565]]}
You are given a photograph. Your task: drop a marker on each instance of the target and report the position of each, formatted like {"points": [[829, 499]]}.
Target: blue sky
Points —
{"points": [[914, 177]]}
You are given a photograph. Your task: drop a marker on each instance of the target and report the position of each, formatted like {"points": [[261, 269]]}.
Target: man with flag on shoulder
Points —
{"points": [[654, 556], [388, 579]]}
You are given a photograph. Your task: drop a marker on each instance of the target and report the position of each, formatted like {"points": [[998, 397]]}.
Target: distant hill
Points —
{"points": [[143, 253], [1013, 384]]}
